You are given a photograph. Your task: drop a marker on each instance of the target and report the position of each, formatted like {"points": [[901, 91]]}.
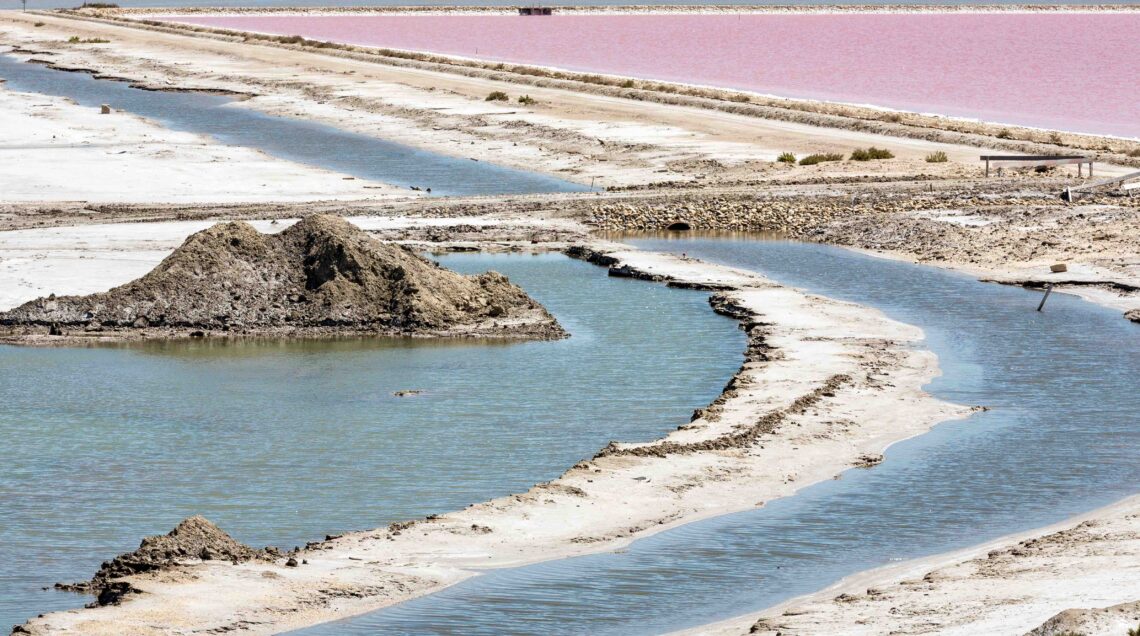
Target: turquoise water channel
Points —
{"points": [[280, 443], [1062, 437]]}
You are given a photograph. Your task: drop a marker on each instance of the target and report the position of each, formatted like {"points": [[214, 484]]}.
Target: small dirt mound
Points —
{"points": [[322, 275], [195, 539]]}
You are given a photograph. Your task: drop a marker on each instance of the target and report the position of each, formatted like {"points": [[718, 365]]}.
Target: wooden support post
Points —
{"points": [[1048, 290], [987, 167]]}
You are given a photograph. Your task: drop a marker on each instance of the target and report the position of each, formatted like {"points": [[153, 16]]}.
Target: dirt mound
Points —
{"points": [[193, 539], [322, 275], [1118, 619]]}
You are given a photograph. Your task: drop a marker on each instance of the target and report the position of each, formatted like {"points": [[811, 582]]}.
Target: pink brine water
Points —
{"points": [[1073, 72]]}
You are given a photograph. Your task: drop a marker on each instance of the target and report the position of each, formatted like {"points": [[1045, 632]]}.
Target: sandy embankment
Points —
{"points": [[1037, 582], [826, 385], [577, 135], [56, 150]]}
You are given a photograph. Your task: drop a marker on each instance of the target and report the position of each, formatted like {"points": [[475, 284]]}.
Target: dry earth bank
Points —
{"points": [[1024, 584]]}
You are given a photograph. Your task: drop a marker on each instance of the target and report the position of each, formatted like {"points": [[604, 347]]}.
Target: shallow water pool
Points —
{"points": [[280, 443]]}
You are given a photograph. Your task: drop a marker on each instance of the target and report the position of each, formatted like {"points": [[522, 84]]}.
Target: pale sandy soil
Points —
{"points": [[1013, 585], [582, 137], [599, 504], [56, 150]]}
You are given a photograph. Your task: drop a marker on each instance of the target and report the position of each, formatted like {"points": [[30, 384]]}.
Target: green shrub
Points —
{"points": [[497, 96], [527, 99], [1134, 632], [937, 157], [786, 157], [871, 153], [811, 160]]}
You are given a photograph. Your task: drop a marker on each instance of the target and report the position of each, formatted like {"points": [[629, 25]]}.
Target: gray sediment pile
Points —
{"points": [[194, 539], [322, 276]]}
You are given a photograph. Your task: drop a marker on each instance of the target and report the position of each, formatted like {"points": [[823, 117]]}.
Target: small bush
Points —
{"points": [[871, 153], [741, 98], [527, 99], [75, 39], [628, 84], [894, 118], [1004, 133], [98, 5], [1134, 632], [811, 160], [1055, 138], [937, 157], [497, 96], [786, 157], [39, 24], [1135, 153]]}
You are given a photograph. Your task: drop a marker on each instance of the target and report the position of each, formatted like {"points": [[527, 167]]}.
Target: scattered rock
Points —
{"points": [[868, 460]]}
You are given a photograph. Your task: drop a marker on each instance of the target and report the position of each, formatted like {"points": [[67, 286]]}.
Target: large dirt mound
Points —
{"points": [[322, 275], [192, 540]]}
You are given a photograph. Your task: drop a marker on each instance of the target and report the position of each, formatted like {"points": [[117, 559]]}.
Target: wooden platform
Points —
{"points": [[1032, 161]]}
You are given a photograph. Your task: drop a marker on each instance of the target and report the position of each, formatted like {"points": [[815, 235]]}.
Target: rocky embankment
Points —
{"points": [[1011, 237], [321, 276]]}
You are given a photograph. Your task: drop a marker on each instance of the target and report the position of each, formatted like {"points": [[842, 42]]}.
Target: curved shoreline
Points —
{"points": [[579, 513], [968, 579]]}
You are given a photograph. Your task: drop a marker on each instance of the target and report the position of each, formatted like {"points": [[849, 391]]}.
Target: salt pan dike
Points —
{"points": [[1064, 71]]}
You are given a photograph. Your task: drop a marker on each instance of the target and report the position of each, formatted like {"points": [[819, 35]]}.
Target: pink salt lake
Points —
{"points": [[1074, 71]]}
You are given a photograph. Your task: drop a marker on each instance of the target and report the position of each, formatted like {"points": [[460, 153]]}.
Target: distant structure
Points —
{"points": [[536, 11], [1029, 161]]}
